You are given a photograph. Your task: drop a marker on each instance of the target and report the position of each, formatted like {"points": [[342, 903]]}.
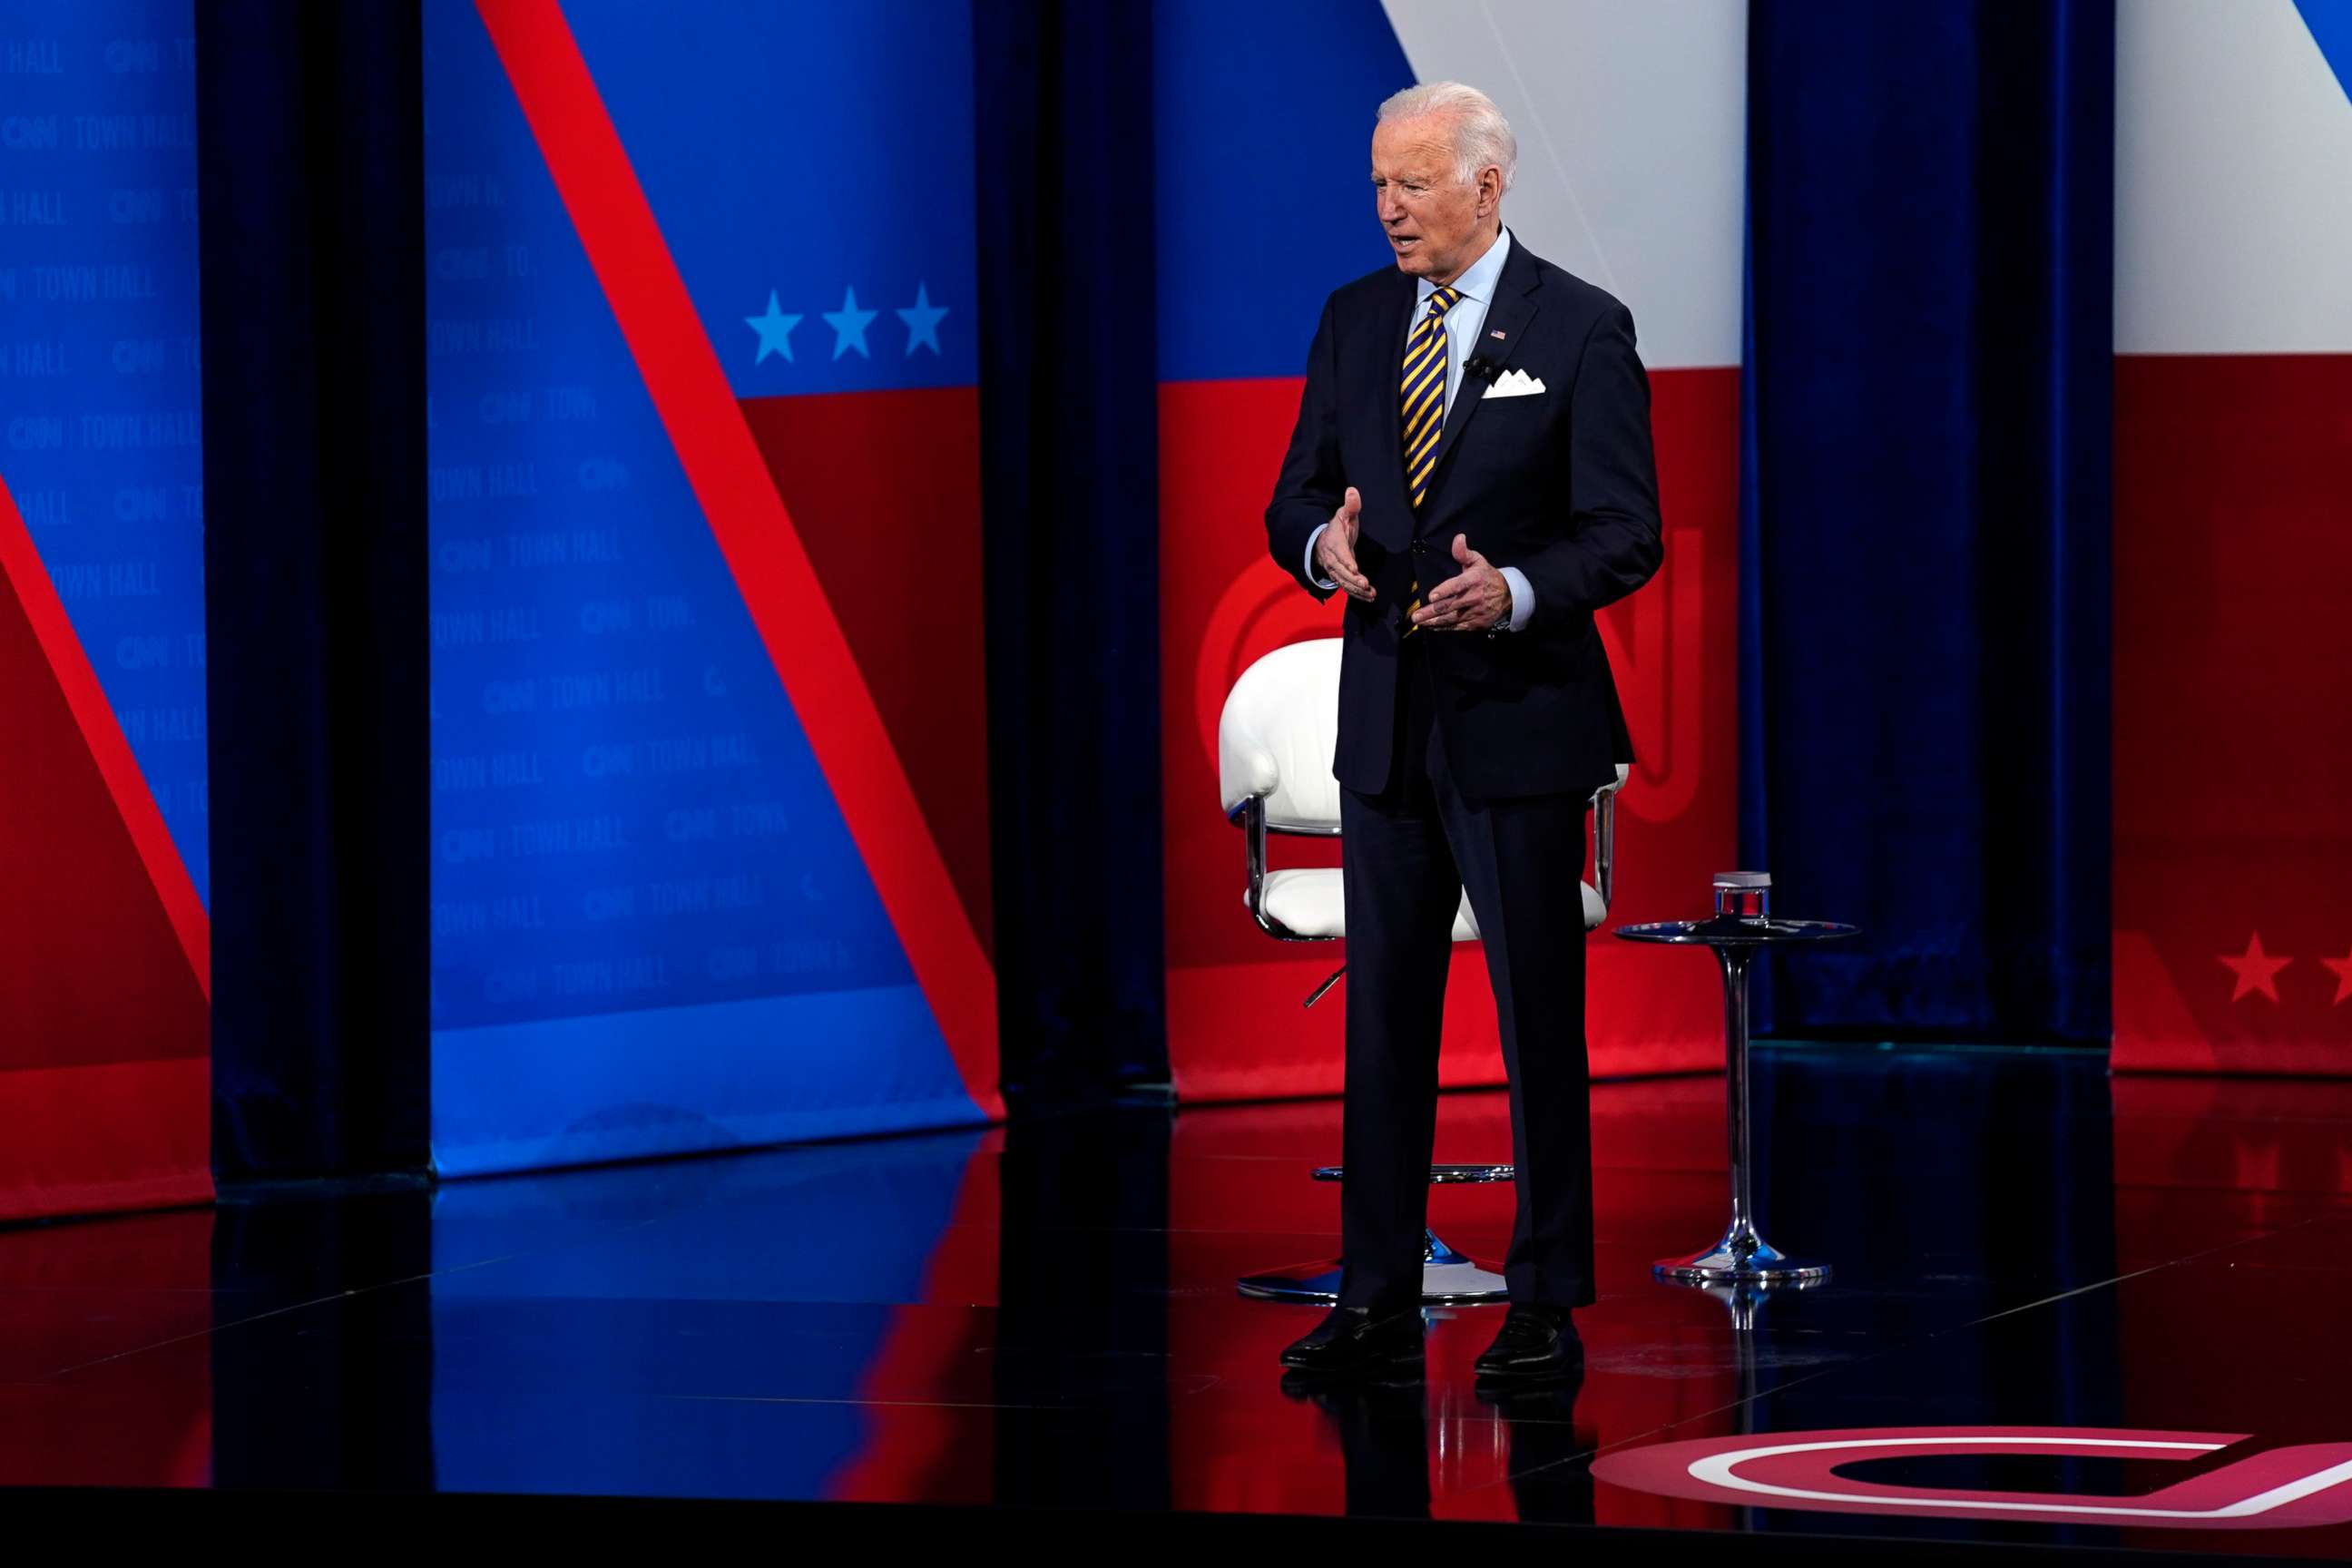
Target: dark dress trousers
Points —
{"points": [[1466, 759]]}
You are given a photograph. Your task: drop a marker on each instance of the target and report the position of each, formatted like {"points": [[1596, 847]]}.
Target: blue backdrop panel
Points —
{"points": [[2330, 22], [1320, 67], [1925, 738], [760, 191], [99, 365], [652, 932]]}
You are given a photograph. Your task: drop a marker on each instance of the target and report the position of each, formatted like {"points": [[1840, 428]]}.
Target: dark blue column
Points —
{"points": [[1069, 475], [1925, 648], [310, 151]]}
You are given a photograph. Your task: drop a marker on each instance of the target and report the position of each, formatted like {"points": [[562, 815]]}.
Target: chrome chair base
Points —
{"points": [[1448, 1278], [1741, 1258], [1439, 1175]]}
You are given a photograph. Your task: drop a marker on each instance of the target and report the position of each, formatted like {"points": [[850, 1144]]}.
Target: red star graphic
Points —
{"points": [[2342, 967], [2256, 970]]}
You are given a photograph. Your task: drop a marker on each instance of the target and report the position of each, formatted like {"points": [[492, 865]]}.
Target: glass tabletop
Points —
{"points": [[1725, 930]]}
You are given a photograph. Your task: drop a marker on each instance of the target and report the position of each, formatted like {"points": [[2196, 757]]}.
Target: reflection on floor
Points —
{"points": [[1045, 1316]]}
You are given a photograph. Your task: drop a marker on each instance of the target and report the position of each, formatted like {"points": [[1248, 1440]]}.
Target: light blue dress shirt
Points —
{"points": [[1463, 324]]}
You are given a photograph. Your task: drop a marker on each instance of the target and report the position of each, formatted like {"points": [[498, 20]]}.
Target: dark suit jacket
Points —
{"points": [[1562, 485]]}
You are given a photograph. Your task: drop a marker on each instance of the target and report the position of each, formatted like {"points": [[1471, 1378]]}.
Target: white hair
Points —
{"points": [[1481, 135]]}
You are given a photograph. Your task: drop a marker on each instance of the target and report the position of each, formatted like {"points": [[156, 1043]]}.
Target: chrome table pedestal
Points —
{"points": [[1448, 1278], [1742, 1255]]}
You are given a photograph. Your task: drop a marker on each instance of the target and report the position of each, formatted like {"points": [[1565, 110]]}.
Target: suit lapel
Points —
{"points": [[1514, 306], [1394, 325]]}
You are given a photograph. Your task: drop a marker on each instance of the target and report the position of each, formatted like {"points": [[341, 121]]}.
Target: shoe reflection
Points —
{"points": [[1551, 1460], [1384, 1428]]}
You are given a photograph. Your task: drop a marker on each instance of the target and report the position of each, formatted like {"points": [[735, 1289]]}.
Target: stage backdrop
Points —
{"points": [[2233, 494], [710, 815], [104, 1082], [1265, 118]]}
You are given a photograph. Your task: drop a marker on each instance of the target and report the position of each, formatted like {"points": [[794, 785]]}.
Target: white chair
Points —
{"points": [[1276, 740]]}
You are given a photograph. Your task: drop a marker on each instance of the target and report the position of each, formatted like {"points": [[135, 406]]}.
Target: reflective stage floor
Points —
{"points": [[2129, 1295]]}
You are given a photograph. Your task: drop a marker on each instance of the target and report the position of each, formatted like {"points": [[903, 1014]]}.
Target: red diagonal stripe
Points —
{"points": [[632, 261], [20, 563]]}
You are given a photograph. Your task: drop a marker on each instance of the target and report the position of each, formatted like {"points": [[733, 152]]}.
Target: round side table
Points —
{"points": [[1742, 1255]]}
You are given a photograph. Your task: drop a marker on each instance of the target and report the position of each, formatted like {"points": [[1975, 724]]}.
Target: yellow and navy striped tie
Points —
{"points": [[1427, 359]]}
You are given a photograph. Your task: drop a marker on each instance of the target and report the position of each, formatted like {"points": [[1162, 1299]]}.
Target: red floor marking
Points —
{"points": [[706, 426], [20, 564]]}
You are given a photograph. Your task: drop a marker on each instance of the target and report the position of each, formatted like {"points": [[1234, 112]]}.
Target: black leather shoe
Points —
{"points": [[1534, 1343], [1353, 1340]]}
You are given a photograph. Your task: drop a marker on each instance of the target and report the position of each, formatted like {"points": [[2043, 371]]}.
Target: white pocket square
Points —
{"points": [[1515, 383]]}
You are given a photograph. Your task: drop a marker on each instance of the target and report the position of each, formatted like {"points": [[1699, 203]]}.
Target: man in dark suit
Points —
{"points": [[1472, 468]]}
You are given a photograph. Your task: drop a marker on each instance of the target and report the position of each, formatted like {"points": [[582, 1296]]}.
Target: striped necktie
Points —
{"points": [[1427, 360]]}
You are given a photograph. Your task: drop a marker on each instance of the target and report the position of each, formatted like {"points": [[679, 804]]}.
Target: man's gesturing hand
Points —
{"points": [[1477, 600], [1335, 549]]}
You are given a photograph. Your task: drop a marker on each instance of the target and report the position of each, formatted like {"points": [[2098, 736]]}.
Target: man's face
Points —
{"points": [[1433, 217]]}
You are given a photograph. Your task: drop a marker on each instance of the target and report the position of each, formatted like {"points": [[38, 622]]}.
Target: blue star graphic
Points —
{"points": [[923, 318], [775, 330], [848, 325]]}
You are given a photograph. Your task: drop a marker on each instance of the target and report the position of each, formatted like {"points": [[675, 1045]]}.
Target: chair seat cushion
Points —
{"points": [[1312, 902]]}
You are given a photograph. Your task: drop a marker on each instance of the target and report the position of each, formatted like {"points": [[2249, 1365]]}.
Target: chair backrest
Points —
{"points": [[1278, 733], [1280, 729]]}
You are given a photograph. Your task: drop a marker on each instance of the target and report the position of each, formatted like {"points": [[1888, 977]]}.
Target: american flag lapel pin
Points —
{"points": [[1498, 335]]}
